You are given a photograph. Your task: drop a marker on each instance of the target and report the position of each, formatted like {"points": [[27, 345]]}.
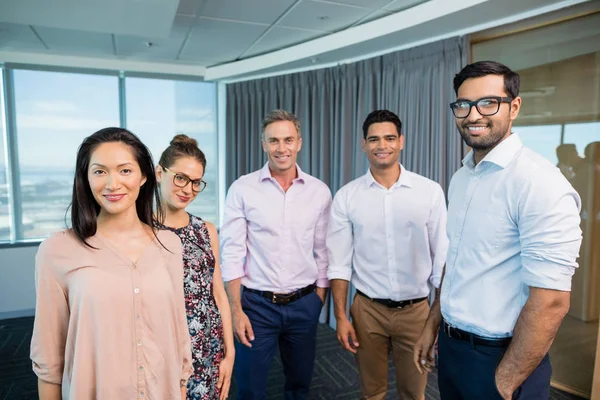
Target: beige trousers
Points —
{"points": [[379, 330]]}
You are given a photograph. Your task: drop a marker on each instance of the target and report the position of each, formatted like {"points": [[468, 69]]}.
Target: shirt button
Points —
{"points": [[140, 368], [141, 394], [139, 342], [136, 290], [137, 316]]}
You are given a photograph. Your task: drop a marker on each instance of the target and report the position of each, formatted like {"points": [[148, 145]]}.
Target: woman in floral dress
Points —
{"points": [[179, 173]]}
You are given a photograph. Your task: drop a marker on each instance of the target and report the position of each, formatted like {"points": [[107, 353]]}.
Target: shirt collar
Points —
{"points": [[265, 173], [403, 179], [501, 155]]}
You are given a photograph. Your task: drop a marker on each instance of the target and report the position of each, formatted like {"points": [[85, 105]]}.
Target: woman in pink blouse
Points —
{"points": [[110, 319]]}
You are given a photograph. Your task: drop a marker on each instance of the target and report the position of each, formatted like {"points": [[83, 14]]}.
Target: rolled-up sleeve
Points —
{"points": [[51, 320], [320, 242], [233, 236], [339, 239], [549, 231], [438, 239]]}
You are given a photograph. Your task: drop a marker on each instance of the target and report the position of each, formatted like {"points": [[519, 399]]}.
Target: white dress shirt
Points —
{"points": [[275, 240], [390, 243], [513, 223]]}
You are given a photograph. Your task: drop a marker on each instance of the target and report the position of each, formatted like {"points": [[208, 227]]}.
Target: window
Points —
{"points": [[581, 135], [54, 113], [159, 109], [49, 113], [543, 139], [5, 217]]}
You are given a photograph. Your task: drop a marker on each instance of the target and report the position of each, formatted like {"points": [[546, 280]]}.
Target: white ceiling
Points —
{"points": [[127, 17], [204, 32], [218, 33]]}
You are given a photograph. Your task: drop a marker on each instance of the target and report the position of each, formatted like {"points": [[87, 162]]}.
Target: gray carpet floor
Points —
{"points": [[335, 375]]}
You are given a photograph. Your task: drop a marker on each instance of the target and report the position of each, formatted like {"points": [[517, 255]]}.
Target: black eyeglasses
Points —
{"points": [[486, 106], [181, 180]]}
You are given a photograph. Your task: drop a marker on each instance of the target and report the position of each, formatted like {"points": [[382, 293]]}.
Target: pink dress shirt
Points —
{"points": [[106, 328], [275, 240]]}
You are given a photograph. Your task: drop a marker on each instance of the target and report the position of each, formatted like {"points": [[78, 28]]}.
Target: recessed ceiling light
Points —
{"points": [[149, 44], [323, 17]]}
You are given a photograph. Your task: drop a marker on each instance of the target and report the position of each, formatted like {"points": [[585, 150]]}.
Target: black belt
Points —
{"points": [[459, 334], [391, 303], [284, 298]]}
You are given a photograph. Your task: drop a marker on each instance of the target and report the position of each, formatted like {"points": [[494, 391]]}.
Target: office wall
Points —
{"points": [[17, 287]]}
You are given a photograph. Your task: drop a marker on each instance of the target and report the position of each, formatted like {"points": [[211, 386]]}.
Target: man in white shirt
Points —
{"points": [[387, 236], [513, 225]]}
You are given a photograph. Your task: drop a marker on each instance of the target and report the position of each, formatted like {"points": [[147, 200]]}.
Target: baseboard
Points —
{"points": [[568, 389], [17, 314]]}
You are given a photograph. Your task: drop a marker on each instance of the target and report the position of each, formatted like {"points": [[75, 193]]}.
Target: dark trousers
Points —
{"points": [[467, 372], [294, 328]]}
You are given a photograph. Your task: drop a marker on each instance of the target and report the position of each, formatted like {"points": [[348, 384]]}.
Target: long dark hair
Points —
{"points": [[85, 209]]}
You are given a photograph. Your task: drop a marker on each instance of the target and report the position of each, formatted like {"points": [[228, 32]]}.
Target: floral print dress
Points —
{"points": [[204, 319]]}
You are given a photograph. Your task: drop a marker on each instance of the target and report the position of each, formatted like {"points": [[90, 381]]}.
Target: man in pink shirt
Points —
{"points": [[274, 263]]}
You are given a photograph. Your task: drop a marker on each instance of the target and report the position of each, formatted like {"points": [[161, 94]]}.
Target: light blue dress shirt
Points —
{"points": [[513, 223]]}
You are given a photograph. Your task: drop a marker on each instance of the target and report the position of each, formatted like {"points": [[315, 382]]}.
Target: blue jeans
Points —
{"points": [[294, 328], [468, 372]]}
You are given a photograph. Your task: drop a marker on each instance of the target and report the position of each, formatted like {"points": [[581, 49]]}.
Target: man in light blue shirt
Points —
{"points": [[513, 226]]}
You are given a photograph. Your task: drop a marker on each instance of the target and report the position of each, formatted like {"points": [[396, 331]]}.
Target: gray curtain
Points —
{"points": [[332, 104]]}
